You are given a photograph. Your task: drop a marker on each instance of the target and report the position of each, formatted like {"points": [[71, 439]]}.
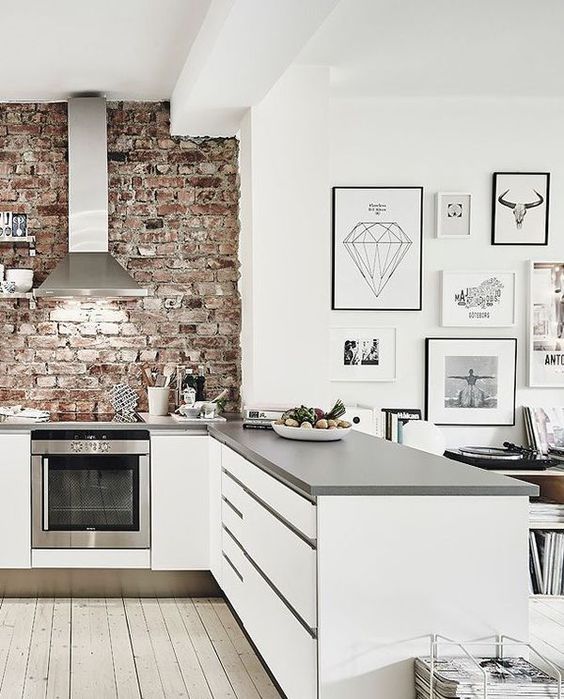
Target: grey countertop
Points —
{"points": [[153, 422], [362, 465], [357, 465]]}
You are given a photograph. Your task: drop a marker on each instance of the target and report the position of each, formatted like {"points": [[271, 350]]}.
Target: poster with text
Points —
{"points": [[377, 248], [546, 324]]}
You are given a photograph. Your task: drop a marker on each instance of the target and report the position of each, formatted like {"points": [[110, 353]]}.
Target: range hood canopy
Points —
{"points": [[88, 269]]}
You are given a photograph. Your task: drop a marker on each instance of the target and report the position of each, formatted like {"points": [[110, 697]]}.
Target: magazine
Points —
{"points": [[460, 677]]}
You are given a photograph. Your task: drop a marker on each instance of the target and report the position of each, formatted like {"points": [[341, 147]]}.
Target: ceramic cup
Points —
{"points": [[158, 400], [22, 278]]}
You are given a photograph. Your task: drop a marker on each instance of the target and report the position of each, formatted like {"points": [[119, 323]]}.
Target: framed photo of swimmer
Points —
{"points": [[477, 299], [546, 324], [470, 381], [520, 204], [452, 211]]}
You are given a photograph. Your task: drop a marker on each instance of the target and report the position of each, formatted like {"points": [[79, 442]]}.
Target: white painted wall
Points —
{"points": [[302, 144]]}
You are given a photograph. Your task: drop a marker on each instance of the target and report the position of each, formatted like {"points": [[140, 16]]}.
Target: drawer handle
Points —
{"points": [[312, 543], [237, 573], [232, 506]]}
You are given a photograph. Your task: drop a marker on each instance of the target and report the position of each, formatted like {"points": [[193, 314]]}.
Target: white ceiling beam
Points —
{"points": [[242, 49]]}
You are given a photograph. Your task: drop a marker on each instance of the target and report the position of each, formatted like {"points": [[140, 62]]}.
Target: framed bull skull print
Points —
{"points": [[520, 208]]}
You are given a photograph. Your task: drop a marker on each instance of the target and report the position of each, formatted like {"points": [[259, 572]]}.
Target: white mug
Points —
{"points": [[158, 400]]}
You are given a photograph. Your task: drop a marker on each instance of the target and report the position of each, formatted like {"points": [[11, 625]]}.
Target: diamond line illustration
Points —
{"points": [[377, 249]]}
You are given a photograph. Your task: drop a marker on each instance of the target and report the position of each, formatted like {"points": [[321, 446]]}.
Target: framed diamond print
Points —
{"points": [[377, 248]]}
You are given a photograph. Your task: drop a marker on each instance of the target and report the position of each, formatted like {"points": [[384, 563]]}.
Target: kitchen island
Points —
{"points": [[403, 544]]}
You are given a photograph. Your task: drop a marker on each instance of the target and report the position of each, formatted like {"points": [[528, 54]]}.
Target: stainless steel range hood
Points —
{"points": [[88, 269]]}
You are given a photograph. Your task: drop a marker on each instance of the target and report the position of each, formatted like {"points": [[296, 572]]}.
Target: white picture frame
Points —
{"points": [[362, 354], [546, 324], [477, 299], [377, 249], [453, 215], [470, 381]]}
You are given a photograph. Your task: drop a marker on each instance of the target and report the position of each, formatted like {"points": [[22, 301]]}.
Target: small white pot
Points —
{"points": [[158, 400]]}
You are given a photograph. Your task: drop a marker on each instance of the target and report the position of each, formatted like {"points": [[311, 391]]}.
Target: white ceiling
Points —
{"points": [[127, 49], [442, 47]]}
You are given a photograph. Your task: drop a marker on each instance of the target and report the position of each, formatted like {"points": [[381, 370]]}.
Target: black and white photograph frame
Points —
{"points": [[476, 299], [546, 324], [470, 381], [520, 208], [453, 215], [377, 248], [362, 354]]}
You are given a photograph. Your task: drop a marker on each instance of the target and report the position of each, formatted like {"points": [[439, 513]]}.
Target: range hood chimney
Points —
{"points": [[88, 269]]}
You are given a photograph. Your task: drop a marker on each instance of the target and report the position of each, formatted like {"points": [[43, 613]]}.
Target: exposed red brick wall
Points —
{"points": [[173, 225]]}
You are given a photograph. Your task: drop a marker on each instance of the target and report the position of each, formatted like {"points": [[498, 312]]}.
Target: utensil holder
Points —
{"points": [[158, 400]]}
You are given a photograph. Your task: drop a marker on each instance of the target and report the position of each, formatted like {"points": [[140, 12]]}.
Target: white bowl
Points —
{"points": [[22, 278], [305, 435]]}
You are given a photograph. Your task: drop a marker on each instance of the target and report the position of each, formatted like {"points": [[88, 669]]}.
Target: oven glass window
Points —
{"points": [[91, 493]]}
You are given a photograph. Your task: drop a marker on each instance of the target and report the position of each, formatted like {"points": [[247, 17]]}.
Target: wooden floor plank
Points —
{"points": [[167, 664], [20, 615], [127, 684], [191, 670], [38, 661], [145, 663], [92, 669], [233, 665], [58, 677], [252, 663], [213, 669]]}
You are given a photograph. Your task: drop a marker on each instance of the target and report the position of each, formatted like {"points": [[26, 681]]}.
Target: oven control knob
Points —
{"points": [[76, 446], [105, 446]]}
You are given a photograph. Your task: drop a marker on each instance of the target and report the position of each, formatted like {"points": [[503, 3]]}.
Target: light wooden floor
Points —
{"points": [[547, 628], [127, 648]]}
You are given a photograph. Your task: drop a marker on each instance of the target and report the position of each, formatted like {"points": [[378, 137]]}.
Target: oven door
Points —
{"points": [[90, 501]]}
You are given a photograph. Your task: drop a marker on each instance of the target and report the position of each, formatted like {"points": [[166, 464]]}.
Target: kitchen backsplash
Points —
{"points": [[173, 220]]}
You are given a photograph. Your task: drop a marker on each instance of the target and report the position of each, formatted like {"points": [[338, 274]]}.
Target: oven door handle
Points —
{"points": [[46, 493]]}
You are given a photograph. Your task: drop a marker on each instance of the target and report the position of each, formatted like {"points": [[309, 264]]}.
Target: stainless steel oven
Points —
{"points": [[90, 488]]}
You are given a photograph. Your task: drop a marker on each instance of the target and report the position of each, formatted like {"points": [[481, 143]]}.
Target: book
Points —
{"points": [[395, 419]]}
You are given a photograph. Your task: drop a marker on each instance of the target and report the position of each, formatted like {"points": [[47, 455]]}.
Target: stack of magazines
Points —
{"points": [[546, 562], [460, 677], [545, 511], [545, 428]]}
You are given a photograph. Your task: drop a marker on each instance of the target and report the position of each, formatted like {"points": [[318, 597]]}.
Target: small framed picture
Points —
{"points": [[377, 248], [363, 354], [478, 299], [546, 325], [470, 381], [453, 211], [520, 204]]}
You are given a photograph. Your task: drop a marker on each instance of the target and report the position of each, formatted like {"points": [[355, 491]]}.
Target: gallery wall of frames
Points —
{"points": [[466, 257], [392, 232]]}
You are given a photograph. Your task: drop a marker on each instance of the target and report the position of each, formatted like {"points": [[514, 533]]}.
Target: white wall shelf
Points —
{"points": [[546, 525], [29, 295], [27, 240]]}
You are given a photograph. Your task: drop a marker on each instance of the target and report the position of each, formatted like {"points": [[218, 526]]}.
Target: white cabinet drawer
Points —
{"points": [[283, 556], [298, 510], [233, 566], [287, 648]]}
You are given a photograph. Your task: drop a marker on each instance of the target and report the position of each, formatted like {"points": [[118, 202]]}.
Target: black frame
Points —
{"points": [[333, 241], [428, 341], [494, 205]]}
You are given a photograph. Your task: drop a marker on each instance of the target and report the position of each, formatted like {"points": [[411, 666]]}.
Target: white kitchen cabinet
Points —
{"points": [[180, 502], [215, 509], [15, 500]]}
